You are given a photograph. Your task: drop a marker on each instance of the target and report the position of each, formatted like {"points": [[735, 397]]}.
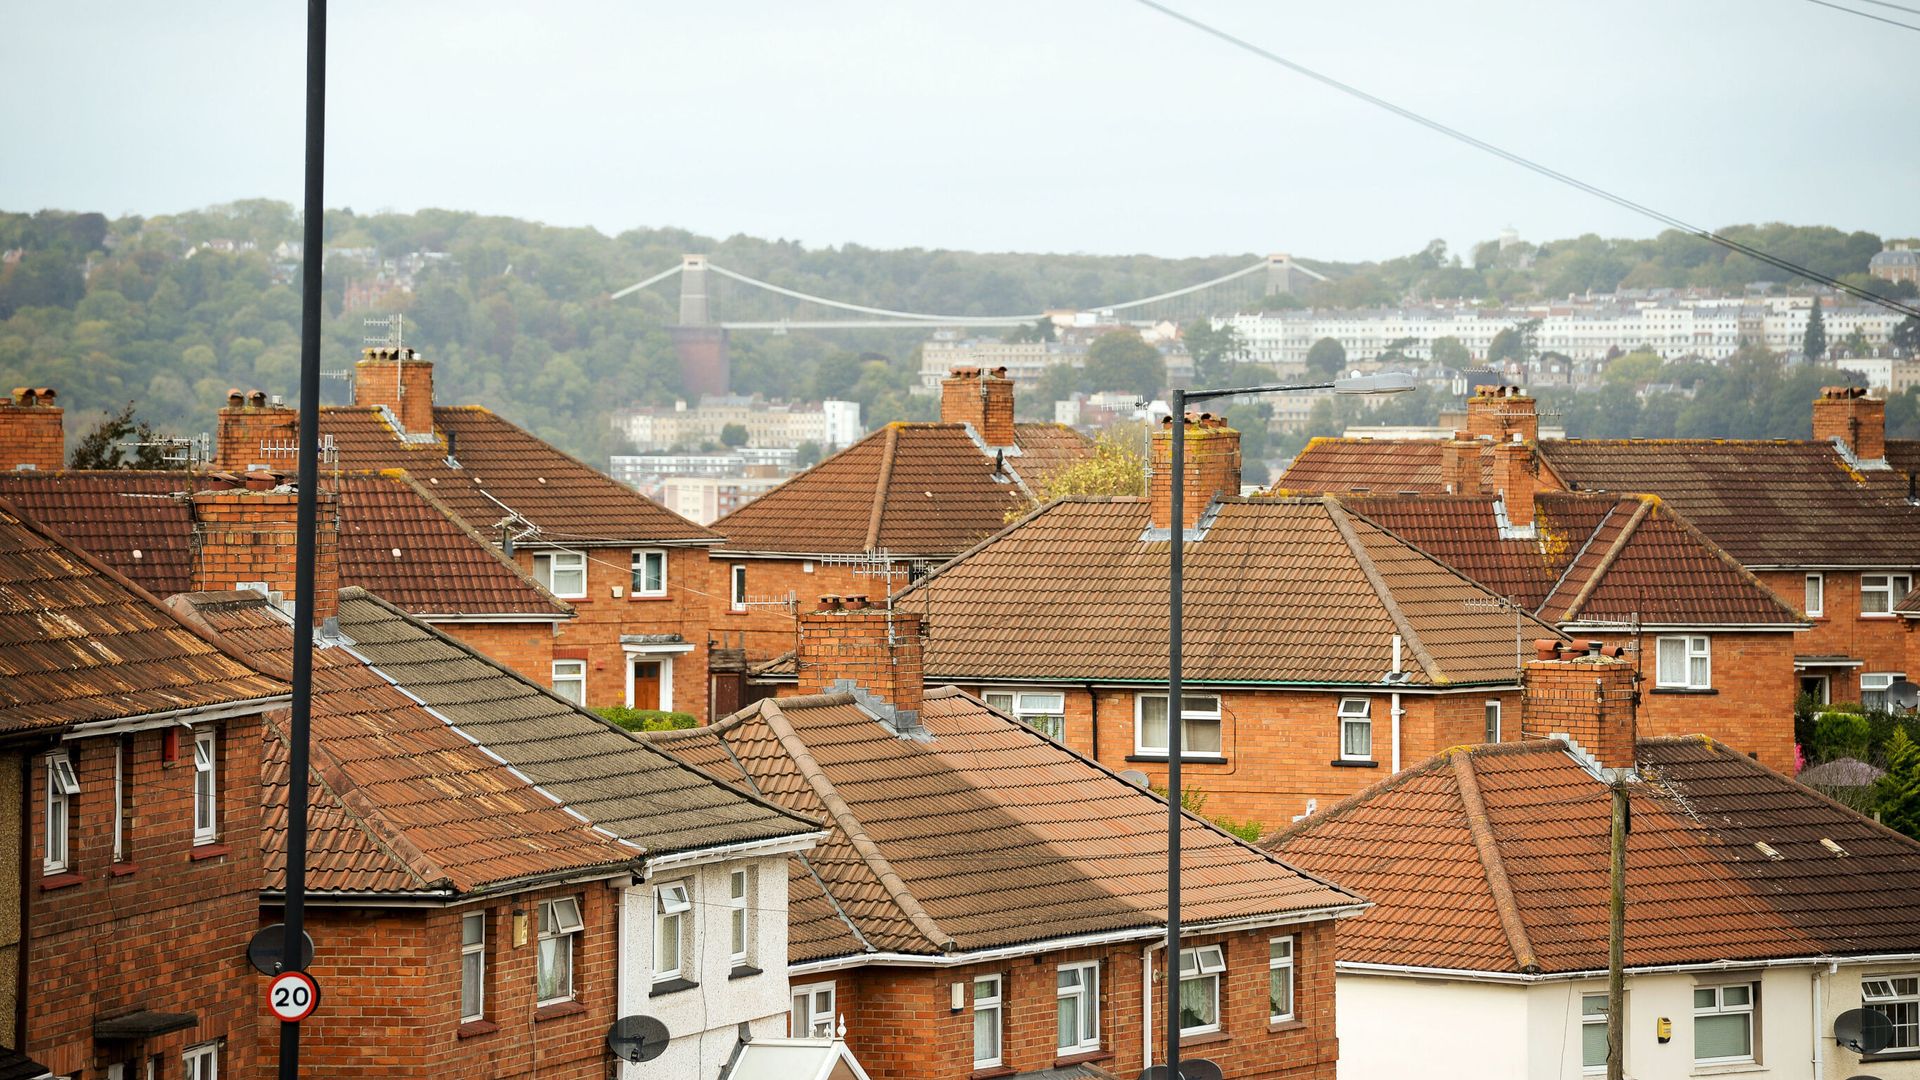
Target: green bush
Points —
{"points": [[1841, 734], [646, 719]]}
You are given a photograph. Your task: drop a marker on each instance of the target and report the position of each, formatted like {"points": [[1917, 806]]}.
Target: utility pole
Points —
{"points": [[1617, 939]]}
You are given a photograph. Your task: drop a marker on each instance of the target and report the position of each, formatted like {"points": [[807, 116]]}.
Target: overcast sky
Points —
{"points": [[1027, 125]]}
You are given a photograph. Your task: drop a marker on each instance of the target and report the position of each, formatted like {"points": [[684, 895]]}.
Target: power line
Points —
{"points": [[1896, 7], [1534, 166], [1871, 15]]}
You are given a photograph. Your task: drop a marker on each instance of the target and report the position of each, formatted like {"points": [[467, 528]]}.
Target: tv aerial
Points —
{"points": [[1863, 1031]]}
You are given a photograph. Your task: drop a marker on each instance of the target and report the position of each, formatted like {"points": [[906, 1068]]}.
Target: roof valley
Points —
{"points": [[1607, 559]]}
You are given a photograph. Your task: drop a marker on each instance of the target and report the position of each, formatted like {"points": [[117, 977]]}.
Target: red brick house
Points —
{"points": [[128, 744], [989, 903]]}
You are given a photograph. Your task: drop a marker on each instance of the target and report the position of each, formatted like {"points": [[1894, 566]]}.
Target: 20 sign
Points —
{"points": [[292, 995]]}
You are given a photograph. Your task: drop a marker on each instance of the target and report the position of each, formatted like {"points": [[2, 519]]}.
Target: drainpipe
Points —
{"points": [[1396, 711], [1819, 1040]]}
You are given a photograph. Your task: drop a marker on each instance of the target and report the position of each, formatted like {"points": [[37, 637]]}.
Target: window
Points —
{"points": [[1683, 663], [1493, 721], [812, 1015], [738, 592], [1200, 971], [1356, 729], [473, 965], [986, 1021], [739, 926], [200, 1062], [62, 786], [1593, 1032], [564, 573], [1898, 998], [1816, 594], [1043, 712], [1280, 979], [1723, 1022], [570, 680], [206, 790], [671, 902], [1879, 592], [1079, 1002], [650, 572], [1873, 687], [559, 922], [1199, 724]]}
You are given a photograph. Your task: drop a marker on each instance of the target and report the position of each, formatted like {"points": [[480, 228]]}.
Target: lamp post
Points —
{"points": [[1385, 383]]}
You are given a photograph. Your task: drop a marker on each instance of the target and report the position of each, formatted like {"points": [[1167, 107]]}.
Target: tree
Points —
{"points": [[1515, 343], [1215, 351], [1905, 339], [1118, 466], [1327, 359], [1450, 352], [734, 436], [1121, 360], [1855, 345], [1040, 330], [1634, 369], [1900, 788], [807, 454], [1814, 345], [107, 445]]}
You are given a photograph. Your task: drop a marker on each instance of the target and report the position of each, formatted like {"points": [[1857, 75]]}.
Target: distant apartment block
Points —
{"points": [[1025, 361], [769, 424]]}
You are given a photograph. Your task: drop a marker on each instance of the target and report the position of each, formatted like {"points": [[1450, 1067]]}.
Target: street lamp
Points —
{"points": [[1383, 383]]}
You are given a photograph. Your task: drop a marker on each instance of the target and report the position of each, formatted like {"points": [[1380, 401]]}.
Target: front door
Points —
{"points": [[646, 685]]}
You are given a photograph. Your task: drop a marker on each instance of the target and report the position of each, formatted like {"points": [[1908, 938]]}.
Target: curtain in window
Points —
{"points": [[1153, 722], [1721, 1036], [556, 960], [1672, 661], [1197, 1005]]}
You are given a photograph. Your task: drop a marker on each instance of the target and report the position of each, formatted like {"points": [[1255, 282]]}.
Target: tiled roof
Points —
{"points": [[983, 835], [1370, 467], [615, 780], [443, 567], [79, 642], [1279, 591], [1496, 859], [401, 802], [507, 472], [910, 489]]}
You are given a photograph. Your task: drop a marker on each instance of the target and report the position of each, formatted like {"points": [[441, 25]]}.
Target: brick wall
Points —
{"points": [[1513, 479], [527, 648], [770, 631], [164, 929], [1211, 466], [400, 380], [1498, 412], [246, 535], [1879, 642], [855, 640], [983, 399], [248, 426], [1460, 466], [1749, 706], [1587, 697], [1847, 414], [32, 431]]}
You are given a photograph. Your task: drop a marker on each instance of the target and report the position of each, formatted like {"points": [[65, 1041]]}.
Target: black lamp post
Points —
{"points": [[1385, 383]]}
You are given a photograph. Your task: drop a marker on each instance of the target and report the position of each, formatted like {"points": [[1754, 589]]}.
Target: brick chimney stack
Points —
{"points": [[1859, 422], [1496, 412], [400, 380], [851, 645], [1585, 693], [249, 423], [1513, 480], [983, 399], [244, 530], [1212, 466], [1460, 464], [33, 434]]}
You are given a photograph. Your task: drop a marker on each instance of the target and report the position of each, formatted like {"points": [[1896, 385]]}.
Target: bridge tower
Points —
{"points": [[700, 345]]}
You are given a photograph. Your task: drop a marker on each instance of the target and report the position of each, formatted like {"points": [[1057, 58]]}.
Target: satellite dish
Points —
{"points": [[1863, 1076], [1134, 777], [263, 952], [637, 1038], [1190, 1069], [1904, 694], [1863, 1031]]}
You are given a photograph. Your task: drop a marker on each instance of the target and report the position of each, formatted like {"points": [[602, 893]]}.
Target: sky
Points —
{"points": [[1094, 126]]}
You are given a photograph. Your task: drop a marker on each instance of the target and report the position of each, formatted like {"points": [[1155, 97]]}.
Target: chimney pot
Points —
{"points": [[1212, 468], [257, 399], [982, 400], [235, 399], [1546, 648], [32, 431], [1858, 422]]}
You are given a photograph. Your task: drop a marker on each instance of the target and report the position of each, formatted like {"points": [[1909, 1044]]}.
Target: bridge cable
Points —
{"points": [[1870, 15]]}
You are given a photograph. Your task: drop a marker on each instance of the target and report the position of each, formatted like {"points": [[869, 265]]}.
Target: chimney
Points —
{"points": [[1513, 480], [255, 434], [1583, 692], [1212, 466], [245, 530], [400, 380], [1460, 464], [1847, 414], [1496, 412], [981, 398], [870, 650], [32, 433]]}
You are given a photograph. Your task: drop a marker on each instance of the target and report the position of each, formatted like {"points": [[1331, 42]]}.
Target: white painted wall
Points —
{"points": [[1840, 991], [704, 1021], [1394, 1028]]}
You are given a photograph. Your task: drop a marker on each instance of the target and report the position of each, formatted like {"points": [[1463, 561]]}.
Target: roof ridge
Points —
{"points": [[850, 827], [1338, 515], [475, 535], [1612, 554], [882, 481], [1484, 842]]}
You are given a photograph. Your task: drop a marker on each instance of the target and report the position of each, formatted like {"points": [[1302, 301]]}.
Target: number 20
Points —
{"points": [[295, 996]]}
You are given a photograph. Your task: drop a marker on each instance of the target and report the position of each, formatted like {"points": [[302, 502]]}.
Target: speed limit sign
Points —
{"points": [[292, 995]]}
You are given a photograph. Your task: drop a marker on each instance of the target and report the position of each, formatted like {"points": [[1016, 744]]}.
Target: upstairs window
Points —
{"points": [[1723, 1023], [559, 924], [1078, 996], [1816, 601], [201, 1062], [739, 917], [473, 966], [1879, 592], [671, 903], [1044, 712], [1356, 729], [1200, 971], [1493, 722], [1684, 663], [1199, 724], [737, 593], [62, 786], [564, 573], [650, 572], [1897, 997], [206, 788]]}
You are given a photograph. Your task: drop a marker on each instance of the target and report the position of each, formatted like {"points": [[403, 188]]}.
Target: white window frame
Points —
{"points": [[62, 786], [637, 582], [1189, 717], [559, 919], [807, 1019], [987, 1004], [1356, 712], [549, 575], [474, 952], [1493, 721], [206, 787], [200, 1062], [1693, 647], [1878, 992], [737, 587], [1876, 683], [1588, 1020], [740, 884], [1750, 1010], [1816, 595], [1086, 992], [574, 672], [1210, 964], [1281, 960], [1883, 585], [1045, 711], [672, 906]]}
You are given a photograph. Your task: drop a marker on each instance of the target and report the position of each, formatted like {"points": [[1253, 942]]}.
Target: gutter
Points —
{"points": [[1356, 967], [187, 716], [791, 844], [935, 678], [1693, 628], [501, 617]]}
